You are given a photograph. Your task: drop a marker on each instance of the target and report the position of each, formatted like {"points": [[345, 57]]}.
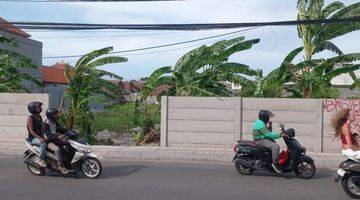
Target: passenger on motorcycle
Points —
{"points": [[341, 125], [35, 130], [264, 137], [54, 135]]}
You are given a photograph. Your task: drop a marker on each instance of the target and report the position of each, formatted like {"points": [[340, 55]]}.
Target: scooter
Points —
{"points": [[83, 160], [349, 174], [250, 157]]}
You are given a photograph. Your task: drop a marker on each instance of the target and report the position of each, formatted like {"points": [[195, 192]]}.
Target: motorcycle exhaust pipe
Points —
{"points": [[32, 163], [245, 163]]}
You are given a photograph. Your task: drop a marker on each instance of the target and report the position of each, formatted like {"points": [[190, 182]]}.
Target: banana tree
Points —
{"points": [[203, 71], [316, 37], [317, 81], [86, 83], [10, 65]]}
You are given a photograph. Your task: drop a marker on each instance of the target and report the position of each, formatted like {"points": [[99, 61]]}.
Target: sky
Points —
{"points": [[276, 42]]}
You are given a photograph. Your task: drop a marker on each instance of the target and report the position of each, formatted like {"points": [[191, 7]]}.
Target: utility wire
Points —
{"points": [[106, 36], [158, 46], [79, 1], [194, 27]]}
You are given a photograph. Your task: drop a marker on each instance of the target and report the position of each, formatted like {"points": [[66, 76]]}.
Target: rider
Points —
{"points": [[264, 137], [54, 136], [35, 129]]}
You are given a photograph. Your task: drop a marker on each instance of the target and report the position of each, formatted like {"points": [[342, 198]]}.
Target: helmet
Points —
{"points": [[50, 114], [264, 115], [33, 105]]}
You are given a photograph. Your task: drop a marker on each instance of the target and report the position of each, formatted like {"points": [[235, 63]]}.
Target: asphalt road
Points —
{"points": [[132, 180]]}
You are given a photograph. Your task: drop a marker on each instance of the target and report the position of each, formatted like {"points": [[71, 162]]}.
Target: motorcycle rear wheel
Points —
{"points": [[33, 170], [241, 169], [349, 185]]}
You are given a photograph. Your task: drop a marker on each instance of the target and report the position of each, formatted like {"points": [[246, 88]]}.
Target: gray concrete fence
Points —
{"points": [[14, 113], [221, 121]]}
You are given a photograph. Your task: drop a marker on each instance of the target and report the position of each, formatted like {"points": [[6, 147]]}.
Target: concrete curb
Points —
{"points": [[328, 160]]}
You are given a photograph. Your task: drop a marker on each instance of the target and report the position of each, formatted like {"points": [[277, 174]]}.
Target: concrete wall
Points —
{"points": [[220, 121], [13, 115], [31, 49], [200, 121]]}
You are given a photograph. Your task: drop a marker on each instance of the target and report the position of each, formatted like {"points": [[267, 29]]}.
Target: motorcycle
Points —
{"points": [[83, 161], [349, 174], [250, 157]]}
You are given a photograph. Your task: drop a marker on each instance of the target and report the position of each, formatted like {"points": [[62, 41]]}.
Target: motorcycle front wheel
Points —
{"points": [[305, 170], [351, 185], [91, 168]]}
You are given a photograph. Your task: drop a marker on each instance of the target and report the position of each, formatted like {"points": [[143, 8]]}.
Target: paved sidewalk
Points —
{"points": [[328, 160]]}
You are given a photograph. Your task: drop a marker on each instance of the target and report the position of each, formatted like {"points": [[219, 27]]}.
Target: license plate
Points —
{"points": [[341, 172]]}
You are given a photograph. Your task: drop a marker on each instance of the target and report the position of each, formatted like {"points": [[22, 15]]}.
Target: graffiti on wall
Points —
{"points": [[335, 105]]}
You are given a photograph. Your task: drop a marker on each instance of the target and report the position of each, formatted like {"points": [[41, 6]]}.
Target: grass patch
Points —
{"points": [[120, 118]]}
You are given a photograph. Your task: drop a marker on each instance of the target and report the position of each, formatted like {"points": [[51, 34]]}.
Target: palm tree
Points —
{"points": [[203, 71], [10, 65], [86, 83], [316, 37]]}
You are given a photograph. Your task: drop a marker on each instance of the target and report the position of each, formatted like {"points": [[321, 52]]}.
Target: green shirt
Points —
{"points": [[260, 131]]}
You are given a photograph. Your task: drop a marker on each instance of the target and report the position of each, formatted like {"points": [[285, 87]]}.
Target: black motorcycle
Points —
{"points": [[250, 157], [349, 174]]}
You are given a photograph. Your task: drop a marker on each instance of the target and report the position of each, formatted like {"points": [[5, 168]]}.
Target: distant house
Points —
{"points": [[130, 91], [27, 47], [55, 83], [343, 83]]}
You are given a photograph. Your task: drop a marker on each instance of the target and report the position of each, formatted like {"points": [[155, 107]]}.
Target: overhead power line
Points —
{"points": [[107, 36], [79, 1], [158, 46], [194, 27]]}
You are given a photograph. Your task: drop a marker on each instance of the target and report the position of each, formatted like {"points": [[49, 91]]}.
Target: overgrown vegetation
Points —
{"points": [[10, 65], [120, 118]]}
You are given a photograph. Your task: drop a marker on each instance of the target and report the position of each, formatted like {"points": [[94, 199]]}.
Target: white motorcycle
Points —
{"points": [[83, 160]]}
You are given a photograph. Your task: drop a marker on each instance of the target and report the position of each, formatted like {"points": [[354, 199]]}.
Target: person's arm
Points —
{"points": [[31, 130], [346, 131], [269, 135]]}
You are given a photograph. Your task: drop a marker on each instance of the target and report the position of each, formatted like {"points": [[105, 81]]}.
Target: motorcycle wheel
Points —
{"points": [[91, 168], [34, 171], [351, 185], [305, 170], [241, 169]]}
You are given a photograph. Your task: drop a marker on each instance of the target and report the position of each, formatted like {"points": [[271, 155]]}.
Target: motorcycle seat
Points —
{"points": [[251, 143]]}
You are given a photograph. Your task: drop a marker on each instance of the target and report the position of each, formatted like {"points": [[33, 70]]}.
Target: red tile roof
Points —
{"points": [[136, 86], [8, 27], [55, 73]]}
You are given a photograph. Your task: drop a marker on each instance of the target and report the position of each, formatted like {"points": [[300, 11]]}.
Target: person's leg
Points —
{"points": [[60, 161], [56, 149], [275, 148], [351, 153], [36, 141]]}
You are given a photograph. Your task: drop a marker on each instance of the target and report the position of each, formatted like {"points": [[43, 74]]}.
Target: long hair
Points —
{"points": [[338, 120]]}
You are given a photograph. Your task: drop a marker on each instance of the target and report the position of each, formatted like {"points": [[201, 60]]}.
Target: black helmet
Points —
{"points": [[264, 115], [33, 105], [50, 114]]}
